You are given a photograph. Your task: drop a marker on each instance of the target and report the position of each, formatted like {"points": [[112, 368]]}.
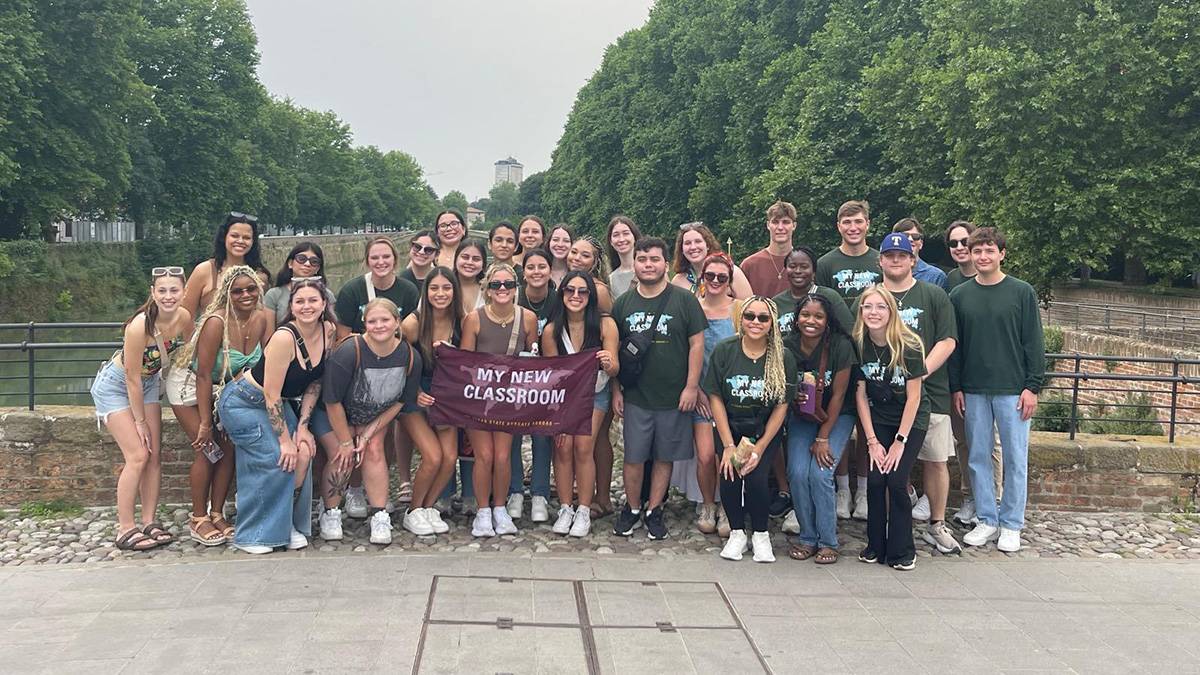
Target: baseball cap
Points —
{"points": [[896, 241]]}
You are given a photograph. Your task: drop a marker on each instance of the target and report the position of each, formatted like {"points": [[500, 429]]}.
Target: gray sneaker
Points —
{"points": [[940, 537]]}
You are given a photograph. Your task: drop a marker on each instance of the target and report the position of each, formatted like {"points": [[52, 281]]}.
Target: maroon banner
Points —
{"points": [[516, 394]]}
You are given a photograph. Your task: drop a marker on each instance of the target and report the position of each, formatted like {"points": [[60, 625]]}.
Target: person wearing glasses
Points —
{"points": [[956, 243], [923, 271], [236, 243], [750, 381], [229, 338], [695, 243], [304, 261], [501, 326], [126, 392], [450, 229], [422, 254], [273, 444]]}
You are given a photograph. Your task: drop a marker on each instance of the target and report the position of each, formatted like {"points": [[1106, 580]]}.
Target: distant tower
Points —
{"points": [[509, 171]]}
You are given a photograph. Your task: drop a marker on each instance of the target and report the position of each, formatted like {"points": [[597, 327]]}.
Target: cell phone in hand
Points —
{"points": [[213, 452]]}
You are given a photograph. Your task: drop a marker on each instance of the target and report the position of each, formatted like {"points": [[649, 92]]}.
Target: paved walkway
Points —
{"points": [[316, 612]]}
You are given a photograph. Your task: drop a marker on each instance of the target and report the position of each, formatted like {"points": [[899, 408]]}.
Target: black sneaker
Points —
{"points": [[905, 565], [656, 527], [626, 522], [868, 556], [781, 503]]}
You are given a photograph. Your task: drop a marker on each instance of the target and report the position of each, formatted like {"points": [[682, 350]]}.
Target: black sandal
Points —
{"points": [[134, 540], [158, 533]]}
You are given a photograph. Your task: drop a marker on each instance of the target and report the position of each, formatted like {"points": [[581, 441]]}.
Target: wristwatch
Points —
{"points": [[902, 438]]}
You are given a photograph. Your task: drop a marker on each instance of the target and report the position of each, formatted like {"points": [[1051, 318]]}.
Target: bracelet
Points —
{"points": [[205, 427], [872, 438], [346, 444], [141, 421], [729, 445], [820, 440]]}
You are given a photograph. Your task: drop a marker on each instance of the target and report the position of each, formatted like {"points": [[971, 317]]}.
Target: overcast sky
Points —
{"points": [[458, 84]]}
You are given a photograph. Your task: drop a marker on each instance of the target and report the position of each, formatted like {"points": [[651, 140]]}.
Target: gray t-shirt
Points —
{"points": [[375, 385]]}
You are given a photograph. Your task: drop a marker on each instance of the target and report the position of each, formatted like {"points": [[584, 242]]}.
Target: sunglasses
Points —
{"points": [[248, 290], [497, 285], [449, 223], [426, 250], [243, 217], [166, 272], [956, 243], [761, 318], [915, 236], [691, 226], [577, 291], [307, 259], [716, 277], [296, 280]]}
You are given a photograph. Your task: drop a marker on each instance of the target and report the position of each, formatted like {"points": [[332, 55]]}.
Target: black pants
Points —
{"points": [[889, 512], [756, 489]]}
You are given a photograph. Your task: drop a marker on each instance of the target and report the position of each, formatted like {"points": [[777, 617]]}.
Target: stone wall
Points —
{"points": [[1106, 294]]}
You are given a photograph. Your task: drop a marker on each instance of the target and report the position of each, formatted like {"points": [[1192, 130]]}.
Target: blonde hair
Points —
{"points": [[218, 306], [599, 269], [384, 303], [899, 336], [774, 374], [492, 270]]}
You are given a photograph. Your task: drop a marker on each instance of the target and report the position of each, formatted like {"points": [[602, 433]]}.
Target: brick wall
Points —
{"points": [[1107, 295]]}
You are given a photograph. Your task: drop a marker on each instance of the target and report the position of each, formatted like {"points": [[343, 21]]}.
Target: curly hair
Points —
{"points": [[774, 374]]}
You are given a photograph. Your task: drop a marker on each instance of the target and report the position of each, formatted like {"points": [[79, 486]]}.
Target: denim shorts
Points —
{"points": [[110, 395], [603, 400]]}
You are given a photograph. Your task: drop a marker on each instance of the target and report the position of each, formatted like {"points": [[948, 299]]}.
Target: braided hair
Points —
{"points": [[774, 374], [599, 269], [221, 306]]}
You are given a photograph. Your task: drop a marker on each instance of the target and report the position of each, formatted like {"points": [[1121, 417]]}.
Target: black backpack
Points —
{"points": [[633, 348]]}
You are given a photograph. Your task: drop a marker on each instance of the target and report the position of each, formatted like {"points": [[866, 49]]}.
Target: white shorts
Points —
{"points": [[939, 439]]}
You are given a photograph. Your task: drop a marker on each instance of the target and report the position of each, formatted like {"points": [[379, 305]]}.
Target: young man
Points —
{"points": [[996, 375], [658, 409], [956, 243], [849, 269], [767, 269], [923, 271], [926, 309]]}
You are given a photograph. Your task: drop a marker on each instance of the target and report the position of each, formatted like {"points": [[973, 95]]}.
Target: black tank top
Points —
{"points": [[298, 377]]}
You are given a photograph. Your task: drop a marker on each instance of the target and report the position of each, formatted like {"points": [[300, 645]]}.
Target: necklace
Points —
{"points": [[753, 358], [241, 332], [901, 296], [778, 270], [503, 323]]}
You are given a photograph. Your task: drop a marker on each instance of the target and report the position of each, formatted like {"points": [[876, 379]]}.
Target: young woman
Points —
{"points": [[587, 255], [126, 393], [422, 254], [499, 327], [559, 245], [304, 261], [229, 339], [451, 229], [470, 261], [801, 269], [749, 385], [695, 243], [502, 242], [370, 378], [577, 325], [439, 321], [823, 351], [531, 234], [236, 243], [894, 409], [623, 233], [536, 293], [273, 447]]}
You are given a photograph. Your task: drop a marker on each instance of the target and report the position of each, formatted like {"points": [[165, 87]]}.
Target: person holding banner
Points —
{"points": [[501, 326], [577, 325]]}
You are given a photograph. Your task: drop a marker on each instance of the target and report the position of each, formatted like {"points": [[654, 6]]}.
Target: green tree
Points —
{"points": [[502, 202], [529, 195], [455, 200], [326, 173]]}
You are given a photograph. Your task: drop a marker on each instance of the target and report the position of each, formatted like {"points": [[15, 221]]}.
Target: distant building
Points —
{"points": [[509, 171], [88, 230], [475, 215]]}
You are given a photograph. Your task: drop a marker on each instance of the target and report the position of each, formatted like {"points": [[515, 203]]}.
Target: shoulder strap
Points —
{"points": [[299, 344], [516, 329], [821, 369], [408, 372], [370, 287], [662, 305], [164, 362]]}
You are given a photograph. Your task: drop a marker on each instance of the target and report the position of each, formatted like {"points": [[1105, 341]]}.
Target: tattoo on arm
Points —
{"points": [[275, 415], [311, 394]]}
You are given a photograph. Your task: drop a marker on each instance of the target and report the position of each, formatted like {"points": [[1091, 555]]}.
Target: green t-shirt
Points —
{"points": [[841, 355], [665, 366], [874, 367], [955, 277], [926, 309], [1000, 344], [787, 308], [849, 275], [353, 298], [739, 382]]}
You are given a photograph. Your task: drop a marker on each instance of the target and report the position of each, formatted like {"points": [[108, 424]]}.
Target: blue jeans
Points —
{"points": [[983, 413], [539, 486], [268, 503], [811, 484]]}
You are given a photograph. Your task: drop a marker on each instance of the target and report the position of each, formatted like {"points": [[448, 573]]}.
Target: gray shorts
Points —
{"points": [[661, 435]]}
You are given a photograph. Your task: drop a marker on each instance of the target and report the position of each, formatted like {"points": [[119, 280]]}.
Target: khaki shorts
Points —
{"points": [[939, 440]]}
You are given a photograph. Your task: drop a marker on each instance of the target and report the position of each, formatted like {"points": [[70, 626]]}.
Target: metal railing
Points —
{"points": [[1177, 328], [97, 352]]}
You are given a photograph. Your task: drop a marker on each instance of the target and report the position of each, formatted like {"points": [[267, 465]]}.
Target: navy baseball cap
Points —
{"points": [[896, 241]]}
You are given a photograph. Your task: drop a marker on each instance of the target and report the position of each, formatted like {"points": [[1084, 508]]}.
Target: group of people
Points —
{"points": [[753, 388]]}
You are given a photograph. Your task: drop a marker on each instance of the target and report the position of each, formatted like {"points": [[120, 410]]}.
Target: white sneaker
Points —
{"points": [[920, 510], [790, 524], [298, 541], [1009, 541], [482, 527], [735, 546], [253, 549], [566, 516], [415, 521], [582, 525], [356, 502], [843, 504], [516, 505], [860, 506], [504, 524], [982, 534], [435, 520], [330, 522], [539, 512], [381, 527], [723, 528], [762, 547], [966, 514]]}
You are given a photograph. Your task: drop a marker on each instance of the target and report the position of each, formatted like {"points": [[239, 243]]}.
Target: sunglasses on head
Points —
{"points": [[497, 285], [760, 317], [426, 250], [166, 272], [690, 226], [243, 217], [956, 243], [578, 291], [307, 259], [716, 277]]}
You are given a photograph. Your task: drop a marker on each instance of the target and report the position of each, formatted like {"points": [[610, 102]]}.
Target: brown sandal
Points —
{"points": [[826, 556], [218, 520], [134, 540], [599, 511], [158, 533], [801, 551], [214, 537]]}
